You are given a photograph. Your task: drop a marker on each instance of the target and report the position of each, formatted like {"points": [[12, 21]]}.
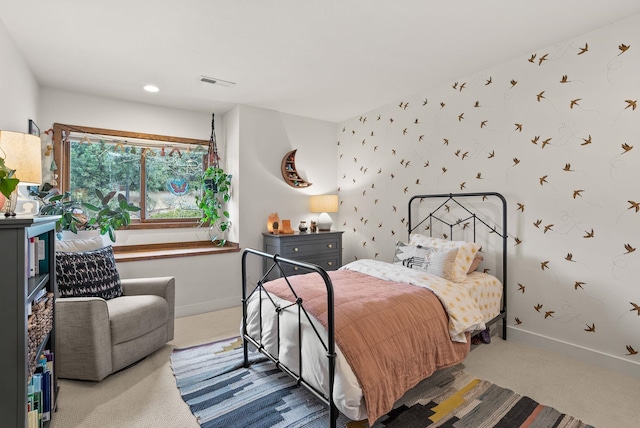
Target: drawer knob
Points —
{"points": [[296, 249], [330, 263], [329, 245], [296, 268]]}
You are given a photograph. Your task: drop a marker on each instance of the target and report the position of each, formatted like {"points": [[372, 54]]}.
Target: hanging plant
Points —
{"points": [[216, 186]]}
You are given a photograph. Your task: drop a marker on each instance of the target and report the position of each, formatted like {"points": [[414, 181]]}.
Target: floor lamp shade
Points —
{"points": [[22, 152], [324, 204]]}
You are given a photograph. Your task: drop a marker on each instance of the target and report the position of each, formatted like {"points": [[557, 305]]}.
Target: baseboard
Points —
{"points": [[580, 353], [209, 306]]}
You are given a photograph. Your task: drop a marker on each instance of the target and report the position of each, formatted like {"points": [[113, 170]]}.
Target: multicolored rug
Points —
{"points": [[221, 393]]}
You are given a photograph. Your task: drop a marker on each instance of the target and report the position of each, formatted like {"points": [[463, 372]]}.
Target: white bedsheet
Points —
{"points": [[486, 290]]}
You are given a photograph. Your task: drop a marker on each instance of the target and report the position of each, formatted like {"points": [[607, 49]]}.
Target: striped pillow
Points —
{"points": [[464, 258], [436, 261]]}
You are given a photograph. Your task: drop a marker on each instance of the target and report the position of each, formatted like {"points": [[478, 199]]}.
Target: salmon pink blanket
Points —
{"points": [[393, 335]]}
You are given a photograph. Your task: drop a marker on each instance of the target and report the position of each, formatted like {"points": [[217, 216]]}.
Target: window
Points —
{"points": [[160, 174]]}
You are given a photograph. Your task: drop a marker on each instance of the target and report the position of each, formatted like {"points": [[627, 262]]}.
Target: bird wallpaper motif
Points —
{"points": [[557, 132]]}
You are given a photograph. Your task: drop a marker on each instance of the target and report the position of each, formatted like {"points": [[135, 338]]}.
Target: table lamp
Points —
{"points": [[22, 152], [324, 204]]}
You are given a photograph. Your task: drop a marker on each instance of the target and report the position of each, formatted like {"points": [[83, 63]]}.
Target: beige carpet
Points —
{"points": [[145, 395]]}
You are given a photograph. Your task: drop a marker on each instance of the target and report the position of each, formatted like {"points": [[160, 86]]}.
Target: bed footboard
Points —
{"points": [[248, 290]]}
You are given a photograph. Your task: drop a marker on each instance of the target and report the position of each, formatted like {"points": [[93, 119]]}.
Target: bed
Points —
{"points": [[359, 337]]}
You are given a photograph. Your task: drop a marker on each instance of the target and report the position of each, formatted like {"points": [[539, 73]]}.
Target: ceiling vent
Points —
{"points": [[218, 82]]}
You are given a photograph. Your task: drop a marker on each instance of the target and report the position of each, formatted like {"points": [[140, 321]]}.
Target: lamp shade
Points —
{"points": [[22, 152], [324, 204]]}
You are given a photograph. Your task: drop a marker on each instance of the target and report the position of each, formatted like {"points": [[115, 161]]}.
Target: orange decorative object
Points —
{"points": [[286, 227], [273, 223]]}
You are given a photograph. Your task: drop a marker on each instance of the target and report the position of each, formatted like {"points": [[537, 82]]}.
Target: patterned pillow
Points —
{"points": [[464, 258], [436, 261], [88, 274]]}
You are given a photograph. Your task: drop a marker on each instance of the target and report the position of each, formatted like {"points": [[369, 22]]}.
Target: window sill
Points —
{"points": [[133, 253]]}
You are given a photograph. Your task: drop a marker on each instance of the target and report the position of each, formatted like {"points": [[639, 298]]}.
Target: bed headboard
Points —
{"points": [[478, 217]]}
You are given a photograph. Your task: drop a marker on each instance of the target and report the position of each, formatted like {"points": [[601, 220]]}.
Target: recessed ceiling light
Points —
{"points": [[151, 88]]}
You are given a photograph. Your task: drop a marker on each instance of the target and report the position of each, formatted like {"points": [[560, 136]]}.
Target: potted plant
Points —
{"points": [[216, 185], [110, 215], [8, 182]]}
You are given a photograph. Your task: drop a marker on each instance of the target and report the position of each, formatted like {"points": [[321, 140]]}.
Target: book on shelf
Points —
{"points": [[31, 254], [40, 391], [40, 254], [37, 261], [43, 262], [32, 418]]}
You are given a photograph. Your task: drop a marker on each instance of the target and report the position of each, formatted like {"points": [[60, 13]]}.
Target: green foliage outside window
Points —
{"points": [[173, 177]]}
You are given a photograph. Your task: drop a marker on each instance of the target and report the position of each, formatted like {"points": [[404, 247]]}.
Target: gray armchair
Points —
{"points": [[97, 337]]}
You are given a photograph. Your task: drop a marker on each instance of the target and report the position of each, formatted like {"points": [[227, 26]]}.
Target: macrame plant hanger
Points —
{"points": [[213, 158]]}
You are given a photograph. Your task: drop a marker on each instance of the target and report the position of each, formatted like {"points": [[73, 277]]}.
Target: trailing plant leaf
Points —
{"points": [[216, 184], [8, 182]]}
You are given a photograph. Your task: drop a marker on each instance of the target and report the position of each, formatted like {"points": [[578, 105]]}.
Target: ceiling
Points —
{"points": [[324, 59]]}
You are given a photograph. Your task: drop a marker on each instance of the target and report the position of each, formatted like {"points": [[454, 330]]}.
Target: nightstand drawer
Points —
{"points": [[330, 262], [298, 248], [327, 263]]}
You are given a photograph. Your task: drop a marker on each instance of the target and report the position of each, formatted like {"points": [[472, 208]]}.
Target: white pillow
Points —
{"points": [[464, 258], [436, 261], [79, 245]]}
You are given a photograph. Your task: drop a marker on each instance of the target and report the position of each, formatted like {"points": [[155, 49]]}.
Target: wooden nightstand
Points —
{"points": [[323, 249]]}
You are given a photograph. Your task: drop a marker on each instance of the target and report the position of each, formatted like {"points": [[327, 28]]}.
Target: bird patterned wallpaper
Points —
{"points": [[558, 134]]}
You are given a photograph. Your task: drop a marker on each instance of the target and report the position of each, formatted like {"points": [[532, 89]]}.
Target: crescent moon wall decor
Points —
{"points": [[290, 173]]}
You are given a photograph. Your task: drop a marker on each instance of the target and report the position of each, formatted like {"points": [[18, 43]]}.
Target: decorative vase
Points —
{"points": [[216, 234], [8, 205], [302, 227]]}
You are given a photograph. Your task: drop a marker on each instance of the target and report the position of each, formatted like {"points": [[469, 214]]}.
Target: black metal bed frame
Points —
{"points": [[453, 197], [329, 345]]}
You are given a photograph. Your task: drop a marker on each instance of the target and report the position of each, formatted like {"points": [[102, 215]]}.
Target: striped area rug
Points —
{"points": [[221, 393]]}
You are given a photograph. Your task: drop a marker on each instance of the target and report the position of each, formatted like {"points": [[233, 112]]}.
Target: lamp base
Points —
{"points": [[324, 222]]}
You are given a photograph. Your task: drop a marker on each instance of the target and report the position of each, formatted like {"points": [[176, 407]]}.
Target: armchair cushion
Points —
{"points": [[131, 317], [88, 274]]}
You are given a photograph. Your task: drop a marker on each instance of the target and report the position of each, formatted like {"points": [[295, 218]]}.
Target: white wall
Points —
{"points": [[18, 88], [265, 136]]}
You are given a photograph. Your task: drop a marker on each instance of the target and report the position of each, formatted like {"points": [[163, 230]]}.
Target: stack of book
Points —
{"points": [[40, 392], [36, 254]]}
